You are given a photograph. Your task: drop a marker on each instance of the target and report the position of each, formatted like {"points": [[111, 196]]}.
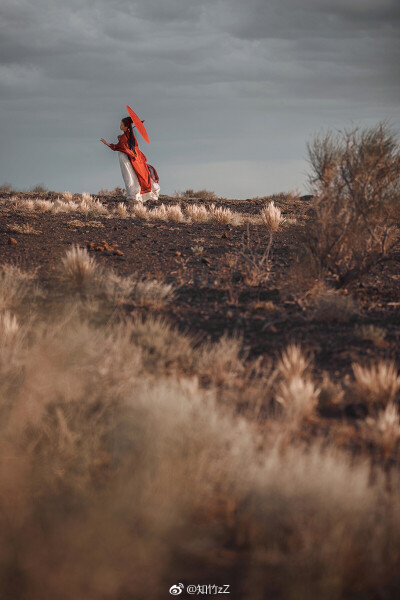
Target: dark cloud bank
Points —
{"points": [[231, 90]]}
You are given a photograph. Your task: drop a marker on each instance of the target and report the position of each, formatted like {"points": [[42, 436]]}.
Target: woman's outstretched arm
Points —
{"points": [[123, 146]]}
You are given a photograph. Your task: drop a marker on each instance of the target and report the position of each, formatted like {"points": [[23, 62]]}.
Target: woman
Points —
{"points": [[141, 179]]}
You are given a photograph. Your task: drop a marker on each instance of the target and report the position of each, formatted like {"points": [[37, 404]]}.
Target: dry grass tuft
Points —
{"points": [[221, 362], [385, 428], [79, 223], [159, 213], [139, 210], [271, 216], [265, 305], [116, 289], [122, 211], [90, 207], [377, 385], [152, 293], [296, 392], [197, 213], [78, 269], [16, 287], [299, 397], [10, 331], [293, 362], [330, 394], [174, 213], [163, 348], [25, 229], [43, 205], [224, 216], [141, 292], [59, 206], [67, 196], [371, 333], [27, 205]]}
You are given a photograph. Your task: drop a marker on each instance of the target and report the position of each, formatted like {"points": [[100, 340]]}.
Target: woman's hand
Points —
{"points": [[104, 142]]}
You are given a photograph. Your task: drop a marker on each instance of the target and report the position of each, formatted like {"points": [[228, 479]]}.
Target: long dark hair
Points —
{"points": [[127, 121]]}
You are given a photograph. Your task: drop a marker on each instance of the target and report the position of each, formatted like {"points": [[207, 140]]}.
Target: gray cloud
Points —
{"points": [[218, 82]]}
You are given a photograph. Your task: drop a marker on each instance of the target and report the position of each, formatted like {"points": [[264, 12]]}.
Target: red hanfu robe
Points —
{"points": [[137, 160]]}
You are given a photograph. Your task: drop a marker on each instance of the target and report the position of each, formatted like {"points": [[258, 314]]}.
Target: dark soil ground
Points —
{"points": [[213, 298]]}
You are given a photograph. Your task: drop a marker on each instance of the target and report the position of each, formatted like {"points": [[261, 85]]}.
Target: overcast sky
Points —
{"points": [[231, 90]]}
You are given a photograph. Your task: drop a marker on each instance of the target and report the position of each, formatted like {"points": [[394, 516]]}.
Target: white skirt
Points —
{"points": [[132, 184]]}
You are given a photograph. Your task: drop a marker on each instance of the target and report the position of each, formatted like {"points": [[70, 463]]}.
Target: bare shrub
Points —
{"points": [[376, 385], [104, 192], [329, 305], [200, 194], [6, 188], [39, 189], [253, 259], [271, 216], [355, 181], [117, 191]]}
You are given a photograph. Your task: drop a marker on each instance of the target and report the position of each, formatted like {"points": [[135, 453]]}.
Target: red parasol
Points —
{"points": [[138, 124]]}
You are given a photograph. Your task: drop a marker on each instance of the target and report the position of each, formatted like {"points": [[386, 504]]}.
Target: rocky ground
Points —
{"points": [[213, 295]]}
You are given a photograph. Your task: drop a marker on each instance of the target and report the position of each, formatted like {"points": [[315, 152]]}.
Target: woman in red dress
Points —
{"points": [[141, 179]]}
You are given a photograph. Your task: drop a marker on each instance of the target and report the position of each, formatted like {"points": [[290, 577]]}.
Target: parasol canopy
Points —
{"points": [[138, 124]]}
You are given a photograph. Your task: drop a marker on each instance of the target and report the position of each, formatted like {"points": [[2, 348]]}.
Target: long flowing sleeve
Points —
{"points": [[123, 146]]}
